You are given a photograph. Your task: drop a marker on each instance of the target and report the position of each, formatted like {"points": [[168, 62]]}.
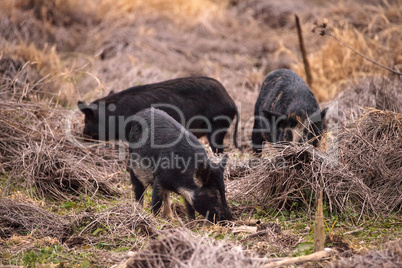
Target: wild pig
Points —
{"points": [[200, 104], [171, 159], [286, 111]]}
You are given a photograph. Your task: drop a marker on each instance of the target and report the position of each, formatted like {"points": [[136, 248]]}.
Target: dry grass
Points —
{"points": [[375, 31], [32, 73], [179, 248], [291, 177], [360, 174], [372, 150], [178, 10], [22, 217], [391, 256], [35, 149], [126, 219], [379, 93], [60, 51]]}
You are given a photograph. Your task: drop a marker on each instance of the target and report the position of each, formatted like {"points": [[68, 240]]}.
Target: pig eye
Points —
{"points": [[292, 122]]}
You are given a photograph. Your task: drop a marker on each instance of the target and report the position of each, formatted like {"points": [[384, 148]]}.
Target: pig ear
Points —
{"points": [[224, 161], [324, 112], [111, 92], [318, 116], [88, 111]]}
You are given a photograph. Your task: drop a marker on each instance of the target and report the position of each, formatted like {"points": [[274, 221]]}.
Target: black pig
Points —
{"points": [[286, 111], [171, 159], [200, 104]]}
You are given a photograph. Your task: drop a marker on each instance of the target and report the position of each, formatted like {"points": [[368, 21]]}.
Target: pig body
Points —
{"points": [[200, 104], [164, 155], [286, 111]]}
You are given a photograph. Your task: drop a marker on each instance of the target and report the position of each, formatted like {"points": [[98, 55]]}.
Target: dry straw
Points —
{"points": [[290, 178], [379, 93]]}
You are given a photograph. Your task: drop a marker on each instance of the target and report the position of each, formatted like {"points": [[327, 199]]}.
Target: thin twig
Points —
{"points": [[361, 55], [323, 31]]}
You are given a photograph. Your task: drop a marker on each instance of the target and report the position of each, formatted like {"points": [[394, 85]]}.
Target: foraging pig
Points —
{"points": [[200, 104], [171, 159], [286, 111]]}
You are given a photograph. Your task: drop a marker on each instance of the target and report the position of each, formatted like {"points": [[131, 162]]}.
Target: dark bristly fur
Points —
{"points": [[193, 96], [286, 104], [194, 176]]}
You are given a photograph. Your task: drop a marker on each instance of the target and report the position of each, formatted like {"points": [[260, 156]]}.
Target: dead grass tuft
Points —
{"points": [[35, 150], [22, 217], [180, 248], [360, 174], [391, 256], [29, 71], [290, 178], [127, 218], [372, 150]]}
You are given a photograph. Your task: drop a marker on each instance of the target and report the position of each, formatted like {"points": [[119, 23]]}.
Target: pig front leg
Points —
{"points": [[167, 210], [139, 188], [190, 211], [157, 197]]}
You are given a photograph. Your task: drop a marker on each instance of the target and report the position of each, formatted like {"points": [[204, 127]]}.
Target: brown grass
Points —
{"points": [[178, 10], [33, 73], [374, 31], [57, 52], [290, 179]]}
